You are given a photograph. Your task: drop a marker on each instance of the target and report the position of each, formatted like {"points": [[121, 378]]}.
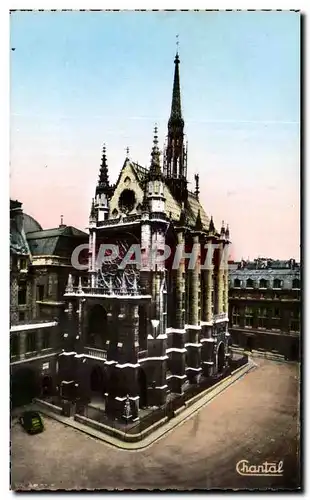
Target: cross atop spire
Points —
{"points": [[177, 43], [127, 152]]}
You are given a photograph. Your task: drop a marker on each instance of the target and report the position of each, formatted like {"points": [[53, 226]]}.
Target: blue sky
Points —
{"points": [[79, 79]]}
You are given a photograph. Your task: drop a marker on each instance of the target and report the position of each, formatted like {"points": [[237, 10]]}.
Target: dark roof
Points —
{"points": [[55, 241], [30, 224], [18, 241]]}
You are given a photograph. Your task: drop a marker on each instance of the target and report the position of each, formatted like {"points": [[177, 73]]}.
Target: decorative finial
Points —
{"points": [[155, 170], [211, 226], [177, 42], [127, 151], [197, 186], [61, 220]]}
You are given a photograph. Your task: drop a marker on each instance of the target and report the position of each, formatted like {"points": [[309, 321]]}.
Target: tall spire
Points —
{"points": [[175, 160], [176, 110], [103, 185], [155, 170]]}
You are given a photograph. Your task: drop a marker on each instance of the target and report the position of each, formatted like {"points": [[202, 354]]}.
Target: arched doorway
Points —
{"points": [[24, 387], [142, 382], [220, 358], [97, 381], [249, 343], [97, 332]]}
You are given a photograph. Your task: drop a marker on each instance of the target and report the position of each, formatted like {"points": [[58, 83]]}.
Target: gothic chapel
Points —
{"points": [[140, 333]]}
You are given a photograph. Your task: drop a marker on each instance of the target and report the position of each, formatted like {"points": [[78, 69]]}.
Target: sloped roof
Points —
{"points": [[173, 208], [46, 242], [18, 241], [30, 224]]}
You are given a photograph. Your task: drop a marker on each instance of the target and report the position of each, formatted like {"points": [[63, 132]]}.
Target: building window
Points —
{"points": [[40, 292], [46, 340], [249, 283], [156, 187], [276, 318], [237, 283], [31, 341], [295, 321], [262, 317], [263, 283], [249, 316], [22, 294], [114, 213], [23, 264], [50, 285], [277, 283], [235, 316], [21, 316], [296, 284], [14, 345]]}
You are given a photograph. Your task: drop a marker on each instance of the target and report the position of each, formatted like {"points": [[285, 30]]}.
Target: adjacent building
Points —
{"points": [[264, 306], [40, 261]]}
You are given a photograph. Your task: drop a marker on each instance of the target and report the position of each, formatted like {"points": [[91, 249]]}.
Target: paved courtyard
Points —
{"points": [[256, 419]]}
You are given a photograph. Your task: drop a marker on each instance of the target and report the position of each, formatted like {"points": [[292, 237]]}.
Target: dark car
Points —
{"points": [[32, 422]]}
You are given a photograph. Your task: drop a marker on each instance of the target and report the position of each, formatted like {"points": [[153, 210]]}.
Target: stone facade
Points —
{"points": [[37, 286], [264, 306], [141, 331]]}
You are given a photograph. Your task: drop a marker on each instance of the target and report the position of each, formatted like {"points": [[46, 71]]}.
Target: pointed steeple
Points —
{"points": [[223, 230], [211, 226], [227, 233], [197, 186], [183, 218], [175, 159], [103, 185], [92, 215], [155, 170], [198, 225], [176, 110]]}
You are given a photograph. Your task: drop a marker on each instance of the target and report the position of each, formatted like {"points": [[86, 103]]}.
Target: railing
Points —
{"points": [[220, 316], [158, 215], [107, 291], [96, 353], [119, 220]]}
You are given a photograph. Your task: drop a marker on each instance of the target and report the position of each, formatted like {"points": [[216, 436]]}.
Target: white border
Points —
{"points": [[4, 150]]}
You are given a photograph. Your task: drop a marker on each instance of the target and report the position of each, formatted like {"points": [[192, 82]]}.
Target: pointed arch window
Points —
{"points": [[115, 213], [263, 283], [277, 283], [249, 283], [237, 283], [296, 283]]}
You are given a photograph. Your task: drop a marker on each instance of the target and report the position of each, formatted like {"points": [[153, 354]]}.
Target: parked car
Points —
{"points": [[32, 422]]}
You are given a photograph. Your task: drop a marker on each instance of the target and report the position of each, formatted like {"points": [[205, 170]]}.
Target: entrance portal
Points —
{"points": [[249, 343], [97, 382], [24, 387], [221, 358], [47, 386]]}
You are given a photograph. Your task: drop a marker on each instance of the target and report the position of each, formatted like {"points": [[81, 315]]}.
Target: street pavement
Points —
{"points": [[255, 419]]}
